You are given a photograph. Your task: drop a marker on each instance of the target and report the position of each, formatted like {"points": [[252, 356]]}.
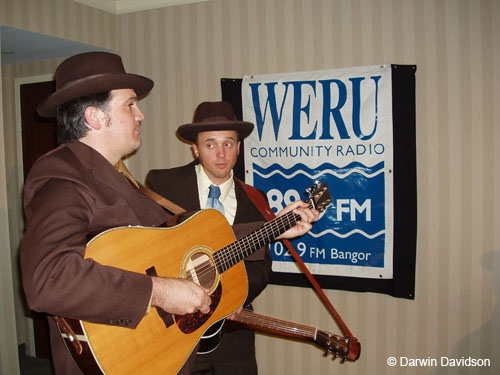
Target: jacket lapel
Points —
{"points": [[185, 190], [108, 175]]}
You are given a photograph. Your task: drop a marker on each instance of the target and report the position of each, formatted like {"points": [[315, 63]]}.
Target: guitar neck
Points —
{"points": [[237, 251], [319, 199], [334, 344], [275, 326]]}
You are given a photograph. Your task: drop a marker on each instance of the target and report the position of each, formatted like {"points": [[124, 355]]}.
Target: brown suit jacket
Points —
{"points": [[71, 194]]}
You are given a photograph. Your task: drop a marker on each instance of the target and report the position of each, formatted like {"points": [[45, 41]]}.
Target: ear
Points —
{"points": [[93, 117], [195, 150], [239, 143]]}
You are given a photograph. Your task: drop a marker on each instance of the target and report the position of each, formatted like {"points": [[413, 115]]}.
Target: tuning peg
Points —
{"points": [[313, 187]]}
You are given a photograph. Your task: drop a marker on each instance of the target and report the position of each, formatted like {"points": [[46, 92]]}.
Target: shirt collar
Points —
{"points": [[204, 183]]}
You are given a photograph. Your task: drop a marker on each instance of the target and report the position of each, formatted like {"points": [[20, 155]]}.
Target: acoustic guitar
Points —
{"points": [[202, 249]]}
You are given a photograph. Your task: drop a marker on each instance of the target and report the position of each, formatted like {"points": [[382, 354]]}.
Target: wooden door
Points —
{"points": [[39, 135]]}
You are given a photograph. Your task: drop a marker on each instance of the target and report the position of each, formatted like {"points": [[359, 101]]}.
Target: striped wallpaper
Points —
{"points": [[454, 43]]}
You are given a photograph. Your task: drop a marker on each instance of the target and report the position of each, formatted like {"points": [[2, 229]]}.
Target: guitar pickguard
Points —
{"points": [[191, 322]]}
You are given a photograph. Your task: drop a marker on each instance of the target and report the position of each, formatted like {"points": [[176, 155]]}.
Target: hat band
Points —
{"points": [[80, 80]]}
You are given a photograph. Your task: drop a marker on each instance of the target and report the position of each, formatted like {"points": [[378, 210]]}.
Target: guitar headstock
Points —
{"points": [[319, 196], [345, 348]]}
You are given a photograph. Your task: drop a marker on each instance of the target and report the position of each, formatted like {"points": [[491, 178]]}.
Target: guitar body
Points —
{"points": [[162, 342]]}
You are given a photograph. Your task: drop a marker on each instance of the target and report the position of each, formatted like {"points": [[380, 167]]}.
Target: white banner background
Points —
{"points": [[333, 126]]}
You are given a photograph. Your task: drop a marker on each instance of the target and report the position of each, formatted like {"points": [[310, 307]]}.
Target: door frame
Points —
{"points": [[29, 334]]}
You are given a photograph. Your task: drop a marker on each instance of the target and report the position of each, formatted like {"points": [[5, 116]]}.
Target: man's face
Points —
{"points": [[218, 152], [123, 128]]}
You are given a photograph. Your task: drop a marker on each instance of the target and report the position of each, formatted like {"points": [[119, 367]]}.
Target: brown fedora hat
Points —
{"points": [[89, 73], [210, 116]]}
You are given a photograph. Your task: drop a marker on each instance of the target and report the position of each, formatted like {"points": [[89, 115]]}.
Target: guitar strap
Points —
{"points": [[162, 201], [259, 201]]}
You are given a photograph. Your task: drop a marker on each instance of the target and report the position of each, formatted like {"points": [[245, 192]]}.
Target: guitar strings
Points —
{"points": [[228, 256], [233, 252]]}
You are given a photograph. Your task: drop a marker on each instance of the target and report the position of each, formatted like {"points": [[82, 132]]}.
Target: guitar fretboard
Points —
{"points": [[329, 341], [275, 325], [230, 255]]}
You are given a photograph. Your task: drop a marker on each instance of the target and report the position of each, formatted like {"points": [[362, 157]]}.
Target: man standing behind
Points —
{"points": [[215, 135]]}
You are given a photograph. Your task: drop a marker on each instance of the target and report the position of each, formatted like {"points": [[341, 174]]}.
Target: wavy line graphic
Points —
{"points": [[370, 236], [319, 174], [324, 166]]}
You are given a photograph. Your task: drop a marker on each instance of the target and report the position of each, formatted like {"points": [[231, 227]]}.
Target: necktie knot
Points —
{"points": [[213, 199], [214, 192]]}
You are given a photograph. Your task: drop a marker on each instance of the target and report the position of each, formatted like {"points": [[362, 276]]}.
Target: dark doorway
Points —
{"points": [[39, 135]]}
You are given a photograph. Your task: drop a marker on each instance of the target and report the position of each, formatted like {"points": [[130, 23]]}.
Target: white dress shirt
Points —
{"points": [[227, 193]]}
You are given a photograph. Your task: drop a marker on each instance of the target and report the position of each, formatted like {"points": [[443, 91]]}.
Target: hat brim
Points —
{"points": [[93, 85], [189, 132]]}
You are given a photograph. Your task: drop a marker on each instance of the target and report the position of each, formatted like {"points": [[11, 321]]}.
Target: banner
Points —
{"points": [[334, 126]]}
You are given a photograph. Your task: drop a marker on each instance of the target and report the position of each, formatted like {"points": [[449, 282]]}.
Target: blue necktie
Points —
{"points": [[213, 199]]}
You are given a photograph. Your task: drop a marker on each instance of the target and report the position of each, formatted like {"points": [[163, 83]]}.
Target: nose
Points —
{"points": [[221, 152], [139, 116]]}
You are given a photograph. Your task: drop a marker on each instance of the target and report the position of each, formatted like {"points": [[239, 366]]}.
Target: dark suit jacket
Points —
{"points": [[180, 186], [71, 194]]}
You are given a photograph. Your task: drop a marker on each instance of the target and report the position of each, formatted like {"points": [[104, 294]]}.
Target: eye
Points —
{"points": [[132, 103]]}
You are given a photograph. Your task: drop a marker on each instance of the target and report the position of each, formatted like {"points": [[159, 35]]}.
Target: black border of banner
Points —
{"points": [[402, 284]]}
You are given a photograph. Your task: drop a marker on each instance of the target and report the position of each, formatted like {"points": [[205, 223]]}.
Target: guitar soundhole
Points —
{"points": [[191, 322], [201, 269]]}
